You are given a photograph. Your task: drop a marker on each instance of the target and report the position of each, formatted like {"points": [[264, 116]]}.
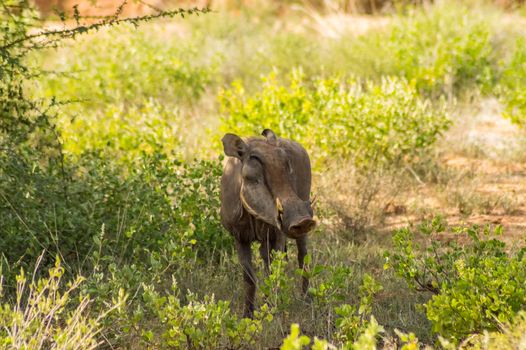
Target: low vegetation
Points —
{"points": [[475, 287], [109, 178], [368, 124]]}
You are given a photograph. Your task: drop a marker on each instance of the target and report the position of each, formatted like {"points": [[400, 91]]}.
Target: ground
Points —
{"points": [[483, 151]]}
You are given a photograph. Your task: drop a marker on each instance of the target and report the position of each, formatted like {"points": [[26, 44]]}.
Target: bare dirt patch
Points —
{"points": [[485, 152]]}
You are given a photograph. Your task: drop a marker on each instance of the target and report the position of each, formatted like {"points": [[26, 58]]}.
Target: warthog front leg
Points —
{"points": [[244, 254], [269, 245], [266, 254], [302, 251]]}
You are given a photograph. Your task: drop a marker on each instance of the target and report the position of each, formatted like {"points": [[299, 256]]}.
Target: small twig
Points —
{"points": [[82, 29], [408, 168]]}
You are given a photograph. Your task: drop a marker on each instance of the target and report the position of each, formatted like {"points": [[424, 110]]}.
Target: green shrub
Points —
{"points": [[277, 287], [367, 341], [51, 202], [162, 211], [124, 67], [126, 133], [329, 284], [119, 229], [199, 324], [476, 287], [485, 295], [130, 91], [368, 123], [513, 85], [329, 288], [444, 49], [295, 341], [351, 324]]}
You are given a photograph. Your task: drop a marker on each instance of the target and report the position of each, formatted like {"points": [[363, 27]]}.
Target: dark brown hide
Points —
{"points": [[265, 191]]}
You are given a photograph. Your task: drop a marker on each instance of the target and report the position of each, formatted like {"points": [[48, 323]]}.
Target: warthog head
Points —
{"points": [[267, 183]]}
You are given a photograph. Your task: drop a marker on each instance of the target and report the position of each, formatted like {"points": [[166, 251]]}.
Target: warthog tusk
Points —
{"points": [[279, 206]]}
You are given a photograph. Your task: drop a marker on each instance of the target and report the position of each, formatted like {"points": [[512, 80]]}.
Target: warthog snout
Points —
{"points": [[297, 218], [303, 226]]}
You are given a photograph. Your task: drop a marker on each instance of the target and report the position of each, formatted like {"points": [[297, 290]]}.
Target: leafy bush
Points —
{"points": [[513, 85], [367, 341], [122, 223], [476, 287], [444, 49], [499, 294], [372, 124], [351, 324], [56, 203], [277, 287], [131, 91], [199, 324], [510, 336], [329, 287], [47, 315], [161, 211], [295, 341], [125, 133], [329, 283], [123, 66]]}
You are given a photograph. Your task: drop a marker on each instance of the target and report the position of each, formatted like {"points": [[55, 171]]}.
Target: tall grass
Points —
{"points": [[48, 314]]}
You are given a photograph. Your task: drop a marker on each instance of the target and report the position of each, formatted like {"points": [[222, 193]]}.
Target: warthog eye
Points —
{"points": [[255, 158], [253, 170]]}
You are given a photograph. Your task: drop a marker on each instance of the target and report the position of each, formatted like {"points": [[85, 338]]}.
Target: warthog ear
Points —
{"points": [[234, 146], [271, 137]]}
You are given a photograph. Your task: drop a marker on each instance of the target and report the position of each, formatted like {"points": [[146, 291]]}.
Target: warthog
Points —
{"points": [[265, 191]]}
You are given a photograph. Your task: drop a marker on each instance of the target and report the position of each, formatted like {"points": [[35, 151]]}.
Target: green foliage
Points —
{"points": [[368, 123], [126, 133], [199, 323], [24, 122], [510, 336], [53, 202], [277, 287], [99, 182], [477, 287], [330, 288], [47, 314], [410, 341], [162, 212], [513, 85], [124, 66], [422, 272], [295, 341], [445, 49], [333, 282], [366, 341], [352, 325], [499, 285], [131, 91]]}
